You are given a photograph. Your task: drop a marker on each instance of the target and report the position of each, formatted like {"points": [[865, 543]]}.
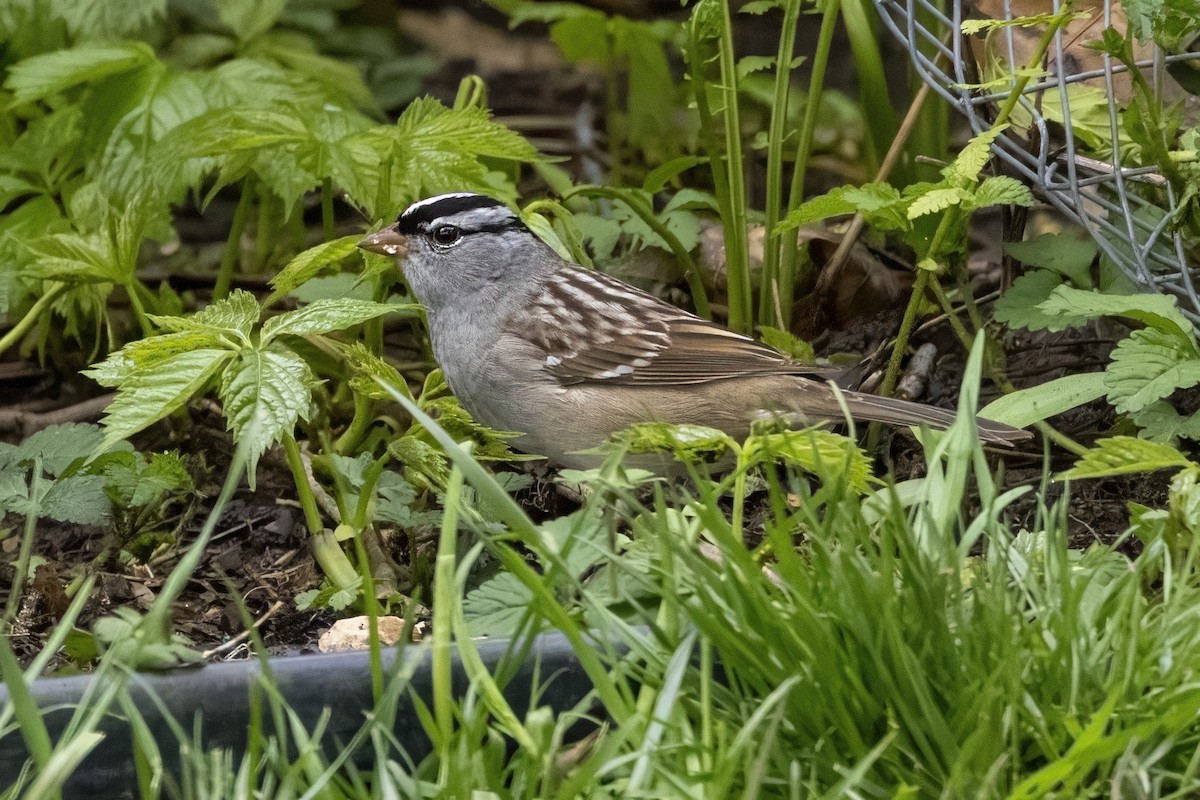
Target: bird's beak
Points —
{"points": [[386, 242]]}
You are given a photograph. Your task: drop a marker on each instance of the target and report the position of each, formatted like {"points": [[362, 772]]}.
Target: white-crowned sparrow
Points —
{"points": [[567, 356]]}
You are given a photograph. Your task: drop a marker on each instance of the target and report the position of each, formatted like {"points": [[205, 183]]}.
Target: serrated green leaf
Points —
{"points": [[1001, 190], [111, 19], [59, 445], [313, 261], [132, 165], [1077, 306], [1019, 306], [145, 354], [79, 499], [760, 6], [324, 316], [264, 393], [828, 205], [436, 149], [935, 200], [748, 65], [974, 157], [43, 75], [423, 463], [1149, 365], [1161, 422], [371, 373], [72, 258], [814, 450], [689, 442], [149, 393], [497, 606], [1122, 455], [234, 316]]}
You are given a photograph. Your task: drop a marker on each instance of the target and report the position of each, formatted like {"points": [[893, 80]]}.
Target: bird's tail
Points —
{"points": [[874, 408]]}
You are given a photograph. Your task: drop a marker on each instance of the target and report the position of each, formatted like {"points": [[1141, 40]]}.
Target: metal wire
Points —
{"points": [[1129, 211]]}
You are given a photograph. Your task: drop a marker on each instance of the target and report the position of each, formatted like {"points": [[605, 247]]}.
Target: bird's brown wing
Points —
{"points": [[594, 328]]}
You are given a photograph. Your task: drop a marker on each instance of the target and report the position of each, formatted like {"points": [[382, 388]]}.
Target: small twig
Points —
{"points": [[225, 647]]}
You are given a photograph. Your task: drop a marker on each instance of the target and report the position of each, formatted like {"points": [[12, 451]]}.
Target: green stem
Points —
{"points": [[367, 490], [139, 309], [327, 552], [25, 552], [790, 262], [308, 502], [737, 255], [691, 271], [899, 348], [233, 245], [18, 331], [445, 593], [364, 415], [773, 303]]}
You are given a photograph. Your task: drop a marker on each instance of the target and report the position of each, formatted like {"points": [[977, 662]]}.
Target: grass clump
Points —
{"points": [[892, 643]]}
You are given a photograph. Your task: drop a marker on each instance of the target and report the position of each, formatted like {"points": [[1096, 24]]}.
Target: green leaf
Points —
{"points": [[550, 12], [935, 200], [72, 258], [79, 499], [60, 445], [41, 76], [111, 19], [1001, 190], [149, 393], [234, 316], [748, 65], [786, 342], [1076, 306], [249, 18], [323, 316], [265, 393], [1122, 455], [133, 165], [694, 443], [1019, 306], [1149, 365], [497, 606], [882, 204], [313, 262], [1069, 255], [974, 157], [437, 149], [814, 450], [1024, 407], [658, 177], [370, 371], [1160, 422], [146, 354]]}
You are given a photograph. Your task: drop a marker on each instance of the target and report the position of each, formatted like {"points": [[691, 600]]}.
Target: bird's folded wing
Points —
{"points": [[594, 328]]}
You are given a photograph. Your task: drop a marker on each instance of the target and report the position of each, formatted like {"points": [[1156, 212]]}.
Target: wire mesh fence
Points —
{"points": [[1071, 136]]}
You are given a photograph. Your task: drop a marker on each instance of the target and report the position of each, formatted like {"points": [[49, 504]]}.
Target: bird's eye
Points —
{"points": [[446, 235]]}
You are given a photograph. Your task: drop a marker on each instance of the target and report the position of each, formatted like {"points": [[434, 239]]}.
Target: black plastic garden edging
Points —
{"points": [[219, 695]]}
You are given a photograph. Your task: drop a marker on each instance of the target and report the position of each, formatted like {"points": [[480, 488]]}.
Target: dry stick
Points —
{"points": [[885, 169], [27, 423], [225, 647]]}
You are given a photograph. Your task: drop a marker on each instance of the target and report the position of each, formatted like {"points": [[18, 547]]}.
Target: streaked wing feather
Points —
{"points": [[633, 338]]}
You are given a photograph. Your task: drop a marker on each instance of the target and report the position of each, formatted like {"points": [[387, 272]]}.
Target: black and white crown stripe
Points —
{"points": [[470, 213]]}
